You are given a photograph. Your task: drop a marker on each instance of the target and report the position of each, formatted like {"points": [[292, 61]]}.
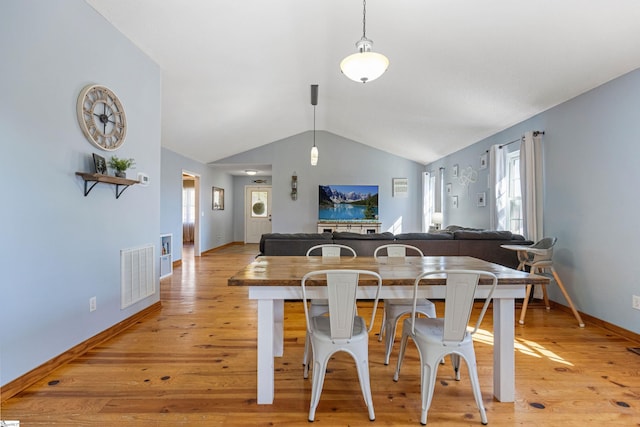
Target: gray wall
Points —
{"points": [[60, 248], [341, 161], [216, 227], [591, 201]]}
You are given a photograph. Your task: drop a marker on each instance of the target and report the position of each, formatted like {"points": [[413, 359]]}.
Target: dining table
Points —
{"points": [[271, 280]]}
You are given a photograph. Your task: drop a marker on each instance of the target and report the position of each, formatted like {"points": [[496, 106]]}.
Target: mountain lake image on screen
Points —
{"points": [[348, 202]]}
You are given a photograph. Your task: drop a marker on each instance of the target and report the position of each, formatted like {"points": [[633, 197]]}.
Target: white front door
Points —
{"points": [[257, 216]]}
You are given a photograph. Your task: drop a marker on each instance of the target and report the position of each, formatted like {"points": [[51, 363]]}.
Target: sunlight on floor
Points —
{"points": [[533, 348], [529, 348]]}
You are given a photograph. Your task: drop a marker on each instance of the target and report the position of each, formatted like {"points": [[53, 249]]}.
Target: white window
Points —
{"points": [[428, 199], [188, 205], [514, 199], [259, 204]]}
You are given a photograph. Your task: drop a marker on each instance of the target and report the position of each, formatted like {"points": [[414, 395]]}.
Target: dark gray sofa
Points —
{"points": [[483, 244], [363, 244], [292, 244]]}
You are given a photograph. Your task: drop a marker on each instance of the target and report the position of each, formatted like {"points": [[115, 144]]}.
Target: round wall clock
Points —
{"points": [[101, 117]]}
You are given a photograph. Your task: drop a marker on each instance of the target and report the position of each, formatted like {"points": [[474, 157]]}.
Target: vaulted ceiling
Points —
{"points": [[236, 73]]}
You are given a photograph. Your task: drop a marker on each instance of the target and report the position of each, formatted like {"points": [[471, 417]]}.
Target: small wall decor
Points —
{"points": [[454, 172], [449, 189], [100, 163], [483, 161], [454, 201], [481, 199], [218, 199], [400, 187], [468, 176], [294, 186]]}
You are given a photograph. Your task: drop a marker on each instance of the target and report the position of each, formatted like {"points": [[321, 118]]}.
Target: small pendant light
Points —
{"points": [[314, 102]]}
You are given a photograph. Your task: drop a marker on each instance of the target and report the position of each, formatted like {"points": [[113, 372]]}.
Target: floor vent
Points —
{"points": [[137, 274]]}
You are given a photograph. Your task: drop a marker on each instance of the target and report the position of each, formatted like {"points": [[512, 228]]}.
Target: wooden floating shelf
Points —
{"points": [[98, 177]]}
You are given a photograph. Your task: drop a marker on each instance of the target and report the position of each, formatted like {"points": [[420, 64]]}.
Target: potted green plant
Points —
{"points": [[121, 165]]}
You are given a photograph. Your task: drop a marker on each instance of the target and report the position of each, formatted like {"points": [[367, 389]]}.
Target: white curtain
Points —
{"points": [[426, 201], [531, 185], [498, 182]]}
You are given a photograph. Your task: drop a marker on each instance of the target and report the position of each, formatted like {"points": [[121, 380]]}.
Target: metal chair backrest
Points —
{"points": [[341, 290], [332, 250], [397, 250], [461, 286]]}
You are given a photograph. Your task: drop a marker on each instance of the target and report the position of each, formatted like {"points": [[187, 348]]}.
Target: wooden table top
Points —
{"points": [[288, 270]]}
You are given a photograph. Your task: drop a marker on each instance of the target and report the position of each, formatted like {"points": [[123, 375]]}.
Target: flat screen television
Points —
{"points": [[348, 203]]}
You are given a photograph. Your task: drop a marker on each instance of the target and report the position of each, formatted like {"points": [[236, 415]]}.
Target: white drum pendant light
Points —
{"points": [[364, 66]]}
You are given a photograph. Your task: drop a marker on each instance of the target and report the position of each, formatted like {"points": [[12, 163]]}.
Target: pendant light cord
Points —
{"points": [[364, 19], [314, 125]]}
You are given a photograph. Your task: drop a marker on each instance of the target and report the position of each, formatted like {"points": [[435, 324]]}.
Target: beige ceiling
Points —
{"points": [[236, 73]]}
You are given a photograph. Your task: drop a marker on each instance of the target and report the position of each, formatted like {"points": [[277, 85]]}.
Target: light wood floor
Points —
{"points": [[194, 364]]}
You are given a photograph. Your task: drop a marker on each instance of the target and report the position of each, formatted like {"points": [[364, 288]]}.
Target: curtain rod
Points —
{"points": [[535, 133], [510, 142]]}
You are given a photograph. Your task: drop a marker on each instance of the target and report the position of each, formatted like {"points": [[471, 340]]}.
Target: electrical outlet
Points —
{"points": [[636, 302], [93, 304]]}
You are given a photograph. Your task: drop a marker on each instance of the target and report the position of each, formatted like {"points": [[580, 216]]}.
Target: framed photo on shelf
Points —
{"points": [[454, 172], [217, 199], [483, 160], [481, 199], [100, 164], [454, 201]]}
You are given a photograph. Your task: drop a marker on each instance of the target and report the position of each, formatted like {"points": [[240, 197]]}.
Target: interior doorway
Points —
{"points": [[257, 212], [190, 214]]}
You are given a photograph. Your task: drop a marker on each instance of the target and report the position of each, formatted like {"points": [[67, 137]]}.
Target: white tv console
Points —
{"points": [[361, 227]]}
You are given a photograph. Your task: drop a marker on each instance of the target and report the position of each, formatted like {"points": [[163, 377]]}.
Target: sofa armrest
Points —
{"points": [[291, 243]]}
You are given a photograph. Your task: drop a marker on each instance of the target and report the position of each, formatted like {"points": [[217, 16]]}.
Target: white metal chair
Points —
{"points": [[331, 249], [437, 338], [319, 307], [341, 330], [396, 308], [539, 258]]}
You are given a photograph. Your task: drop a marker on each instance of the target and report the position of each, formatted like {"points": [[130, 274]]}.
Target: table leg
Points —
{"points": [[503, 349], [278, 328], [266, 344]]}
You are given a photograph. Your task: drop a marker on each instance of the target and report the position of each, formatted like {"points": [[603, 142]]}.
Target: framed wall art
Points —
{"points": [[400, 187], [100, 164], [481, 199], [454, 201], [484, 160], [217, 199], [454, 172]]}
